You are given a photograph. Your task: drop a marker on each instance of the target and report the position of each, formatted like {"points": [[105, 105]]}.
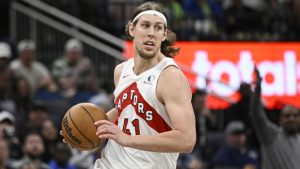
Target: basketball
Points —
{"points": [[78, 126]]}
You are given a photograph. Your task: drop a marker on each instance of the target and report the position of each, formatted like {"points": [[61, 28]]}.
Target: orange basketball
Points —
{"points": [[78, 126]]}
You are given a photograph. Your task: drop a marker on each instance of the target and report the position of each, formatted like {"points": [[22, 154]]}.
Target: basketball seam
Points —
{"points": [[92, 120], [64, 130], [80, 131]]}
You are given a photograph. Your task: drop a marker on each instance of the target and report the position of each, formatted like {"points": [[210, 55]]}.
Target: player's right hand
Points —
{"points": [[108, 130]]}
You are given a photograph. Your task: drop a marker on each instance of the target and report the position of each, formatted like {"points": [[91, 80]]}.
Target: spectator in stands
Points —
{"points": [[6, 101], [33, 149], [296, 12], [5, 54], [200, 107], [23, 99], [281, 16], [104, 17], [7, 128], [241, 21], [209, 139], [50, 138], [188, 161], [280, 145], [235, 154], [35, 118], [104, 97], [205, 17], [37, 115], [8, 133], [202, 8], [61, 158], [73, 71], [34, 72], [204, 118], [240, 111], [83, 159], [29, 165], [175, 13], [5, 161]]}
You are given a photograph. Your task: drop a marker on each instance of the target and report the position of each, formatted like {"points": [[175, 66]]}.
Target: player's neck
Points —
{"points": [[141, 65]]}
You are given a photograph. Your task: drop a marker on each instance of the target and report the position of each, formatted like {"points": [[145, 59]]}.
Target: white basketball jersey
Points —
{"points": [[139, 113]]}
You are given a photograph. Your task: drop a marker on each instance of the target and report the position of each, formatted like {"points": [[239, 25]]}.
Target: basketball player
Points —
{"points": [[153, 120]]}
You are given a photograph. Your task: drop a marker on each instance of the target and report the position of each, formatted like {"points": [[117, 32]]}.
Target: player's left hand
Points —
{"points": [[108, 130], [64, 140]]}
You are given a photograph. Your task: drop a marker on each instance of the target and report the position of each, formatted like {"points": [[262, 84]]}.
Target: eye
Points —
{"points": [[158, 27], [145, 25]]}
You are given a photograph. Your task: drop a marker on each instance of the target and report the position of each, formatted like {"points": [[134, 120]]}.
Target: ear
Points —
{"points": [[165, 35], [131, 30]]}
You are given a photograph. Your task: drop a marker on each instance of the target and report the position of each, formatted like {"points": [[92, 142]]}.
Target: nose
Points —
{"points": [[151, 32]]}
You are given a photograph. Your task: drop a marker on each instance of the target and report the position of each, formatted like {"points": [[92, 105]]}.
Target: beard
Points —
{"points": [[147, 54]]}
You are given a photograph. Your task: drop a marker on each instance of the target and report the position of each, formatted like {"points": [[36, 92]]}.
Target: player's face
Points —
{"points": [[149, 32]]}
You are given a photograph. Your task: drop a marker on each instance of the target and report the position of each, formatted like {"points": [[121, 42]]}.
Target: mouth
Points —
{"points": [[149, 44]]}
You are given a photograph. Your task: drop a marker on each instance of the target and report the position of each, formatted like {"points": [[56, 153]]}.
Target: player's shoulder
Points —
{"points": [[119, 67], [172, 81], [172, 72], [172, 77], [118, 71]]}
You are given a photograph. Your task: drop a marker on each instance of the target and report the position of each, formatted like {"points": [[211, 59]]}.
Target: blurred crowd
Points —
{"points": [[194, 20], [248, 136], [34, 98]]}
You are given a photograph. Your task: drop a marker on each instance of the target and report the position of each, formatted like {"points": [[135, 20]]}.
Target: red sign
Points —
{"points": [[220, 67]]}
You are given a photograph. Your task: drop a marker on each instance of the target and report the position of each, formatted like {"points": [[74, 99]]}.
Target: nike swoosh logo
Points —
{"points": [[125, 76]]}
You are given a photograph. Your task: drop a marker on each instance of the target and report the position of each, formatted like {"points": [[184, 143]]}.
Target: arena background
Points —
{"points": [[220, 41]]}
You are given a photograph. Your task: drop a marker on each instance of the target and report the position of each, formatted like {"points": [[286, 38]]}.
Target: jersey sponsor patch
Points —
{"points": [[149, 80]]}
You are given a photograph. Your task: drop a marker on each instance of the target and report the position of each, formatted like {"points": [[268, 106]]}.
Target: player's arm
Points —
{"points": [[174, 92], [112, 114]]}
